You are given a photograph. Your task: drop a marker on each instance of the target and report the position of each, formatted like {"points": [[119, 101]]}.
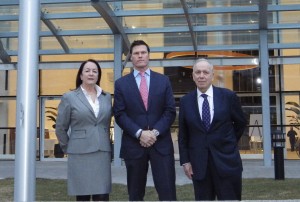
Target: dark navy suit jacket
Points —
{"points": [[131, 115], [221, 139]]}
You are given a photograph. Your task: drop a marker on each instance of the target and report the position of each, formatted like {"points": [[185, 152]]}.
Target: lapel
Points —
{"points": [[83, 99], [195, 107], [217, 104], [101, 106], [154, 82]]}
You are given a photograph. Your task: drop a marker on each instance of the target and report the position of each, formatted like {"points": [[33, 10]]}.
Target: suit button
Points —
{"points": [[95, 124]]}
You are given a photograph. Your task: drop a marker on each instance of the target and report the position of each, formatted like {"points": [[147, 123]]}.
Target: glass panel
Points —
{"points": [[195, 3], [12, 82], [48, 43], [80, 24], [252, 140], [67, 8], [154, 40], [10, 43], [238, 80], [290, 36], [51, 145], [291, 75], [13, 44], [289, 16], [208, 38], [141, 5], [143, 22], [9, 26], [285, 2], [225, 19], [103, 41], [220, 3], [8, 83], [216, 54], [178, 39], [197, 20], [14, 59], [75, 57], [292, 102], [57, 82], [290, 52], [228, 38], [156, 4], [77, 42], [3, 83], [292, 118], [8, 112], [9, 10], [44, 27], [7, 126], [7, 141]]}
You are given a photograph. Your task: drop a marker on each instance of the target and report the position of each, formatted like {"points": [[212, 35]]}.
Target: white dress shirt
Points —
{"points": [[95, 105], [137, 77]]}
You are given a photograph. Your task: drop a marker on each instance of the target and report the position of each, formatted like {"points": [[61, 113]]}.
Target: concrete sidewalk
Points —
{"points": [[58, 170]]}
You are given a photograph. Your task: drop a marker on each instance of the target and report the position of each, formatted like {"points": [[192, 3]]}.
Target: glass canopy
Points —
{"points": [[88, 26]]}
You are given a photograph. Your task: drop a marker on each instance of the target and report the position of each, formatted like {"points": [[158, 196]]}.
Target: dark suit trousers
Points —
{"points": [[214, 187], [163, 172]]}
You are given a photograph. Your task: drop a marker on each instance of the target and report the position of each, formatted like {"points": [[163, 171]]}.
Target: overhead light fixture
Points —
{"points": [[190, 54]]}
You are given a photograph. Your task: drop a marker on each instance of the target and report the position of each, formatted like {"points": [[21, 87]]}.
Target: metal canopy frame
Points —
{"points": [[112, 21], [54, 31], [189, 21], [113, 14]]}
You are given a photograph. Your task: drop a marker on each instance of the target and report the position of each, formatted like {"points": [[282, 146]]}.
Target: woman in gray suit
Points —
{"points": [[82, 128]]}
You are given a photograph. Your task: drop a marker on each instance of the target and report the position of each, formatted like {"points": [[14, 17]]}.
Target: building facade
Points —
{"points": [[254, 45]]}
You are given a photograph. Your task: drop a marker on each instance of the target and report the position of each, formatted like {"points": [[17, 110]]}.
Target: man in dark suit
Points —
{"points": [[208, 139], [292, 136], [144, 108]]}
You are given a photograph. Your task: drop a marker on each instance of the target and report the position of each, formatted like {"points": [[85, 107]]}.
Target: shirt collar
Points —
{"points": [[136, 72], [98, 89], [209, 92]]}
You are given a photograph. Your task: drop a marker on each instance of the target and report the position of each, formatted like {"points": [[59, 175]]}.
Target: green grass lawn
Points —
{"points": [[253, 189]]}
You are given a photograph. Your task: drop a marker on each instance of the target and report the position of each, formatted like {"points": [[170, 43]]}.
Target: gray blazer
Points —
{"points": [[87, 133]]}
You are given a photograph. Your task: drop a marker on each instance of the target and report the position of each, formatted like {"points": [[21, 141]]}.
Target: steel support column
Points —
{"points": [[26, 127], [265, 96], [118, 68], [265, 91]]}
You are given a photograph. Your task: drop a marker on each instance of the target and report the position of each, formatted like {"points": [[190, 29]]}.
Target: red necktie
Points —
{"points": [[144, 89]]}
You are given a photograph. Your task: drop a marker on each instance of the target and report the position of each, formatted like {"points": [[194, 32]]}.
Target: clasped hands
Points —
{"points": [[147, 138]]}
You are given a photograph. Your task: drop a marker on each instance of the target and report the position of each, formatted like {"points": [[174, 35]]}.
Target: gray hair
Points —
{"points": [[204, 60]]}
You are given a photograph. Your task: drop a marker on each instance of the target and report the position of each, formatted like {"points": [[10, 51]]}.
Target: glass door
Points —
{"points": [[47, 144], [7, 127]]}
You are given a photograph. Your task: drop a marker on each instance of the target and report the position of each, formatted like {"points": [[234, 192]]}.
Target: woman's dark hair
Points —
{"points": [[138, 43], [78, 79]]}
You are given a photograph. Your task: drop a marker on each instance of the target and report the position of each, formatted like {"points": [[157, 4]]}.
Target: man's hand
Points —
{"points": [[147, 138], [187, 167]]}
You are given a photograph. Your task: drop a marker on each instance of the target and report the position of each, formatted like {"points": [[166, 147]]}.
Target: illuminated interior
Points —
{"points": [[229, 33]]}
